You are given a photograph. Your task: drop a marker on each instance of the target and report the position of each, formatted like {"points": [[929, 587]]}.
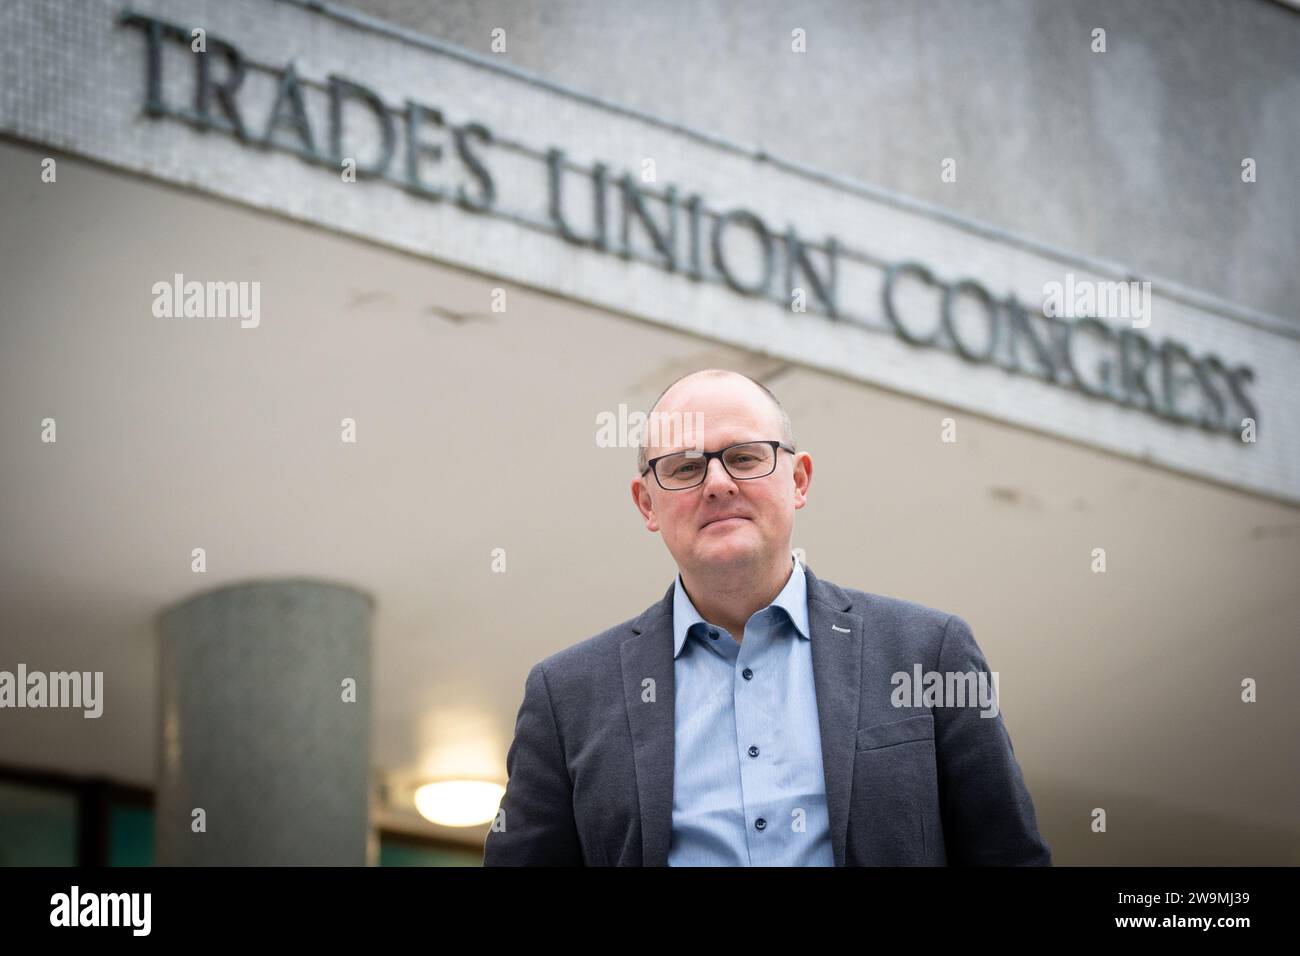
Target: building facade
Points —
{"points": [[353, 293]]}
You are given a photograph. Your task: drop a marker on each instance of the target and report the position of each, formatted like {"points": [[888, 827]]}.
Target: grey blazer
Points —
{"points": [[591, 765]]}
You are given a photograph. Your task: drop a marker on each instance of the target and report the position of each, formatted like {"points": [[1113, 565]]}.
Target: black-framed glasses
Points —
{"points": [[742, 461]]}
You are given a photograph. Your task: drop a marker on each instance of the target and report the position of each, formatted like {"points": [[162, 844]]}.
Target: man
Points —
{"points": [[752, 715]]}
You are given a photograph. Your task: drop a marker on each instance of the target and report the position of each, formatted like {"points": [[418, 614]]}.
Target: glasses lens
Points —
{"points": [[750, 461], [681, 470]]}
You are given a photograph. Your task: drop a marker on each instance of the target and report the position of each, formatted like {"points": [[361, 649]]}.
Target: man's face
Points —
{"points": [[757, 513]]}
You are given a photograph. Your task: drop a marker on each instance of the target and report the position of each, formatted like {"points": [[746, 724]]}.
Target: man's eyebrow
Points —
{"points": [[725, 444]]}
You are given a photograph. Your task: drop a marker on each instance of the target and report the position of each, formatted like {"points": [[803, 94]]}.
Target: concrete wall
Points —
{"points": [[72, 78], [1132, 155]]}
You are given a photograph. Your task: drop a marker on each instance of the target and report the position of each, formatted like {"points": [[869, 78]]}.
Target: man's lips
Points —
{"points": [[713, 521]]}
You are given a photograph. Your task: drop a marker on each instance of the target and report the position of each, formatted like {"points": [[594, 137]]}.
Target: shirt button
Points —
{"points": [[753, 751], [747, 674], [713, 634], [760, 824]]}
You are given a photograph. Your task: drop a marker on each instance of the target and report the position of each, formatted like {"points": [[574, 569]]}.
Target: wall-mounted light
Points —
{"points": [[459, 803]]}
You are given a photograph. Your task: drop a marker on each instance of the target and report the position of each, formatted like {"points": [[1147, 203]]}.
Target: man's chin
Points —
{"points": [[735, 550]]}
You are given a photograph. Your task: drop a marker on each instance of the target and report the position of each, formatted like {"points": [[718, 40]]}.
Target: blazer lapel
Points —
{"points": [[836, 635], [648, 655]]}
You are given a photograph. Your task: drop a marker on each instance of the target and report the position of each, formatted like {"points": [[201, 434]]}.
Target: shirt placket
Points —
{"points": [[755, 738]]}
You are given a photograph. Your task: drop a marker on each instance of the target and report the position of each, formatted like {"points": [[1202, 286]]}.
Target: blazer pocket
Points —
{"points": [[919, 727]]}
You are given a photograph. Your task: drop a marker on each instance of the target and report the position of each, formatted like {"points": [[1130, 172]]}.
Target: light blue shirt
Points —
{"points": [[748, 783]]}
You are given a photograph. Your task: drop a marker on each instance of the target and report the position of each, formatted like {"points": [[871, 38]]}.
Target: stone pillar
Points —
{"points": [[264, 726]]}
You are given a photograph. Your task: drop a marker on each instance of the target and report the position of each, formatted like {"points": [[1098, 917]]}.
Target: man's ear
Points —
{"points": [[802, 478], [641, 497]]}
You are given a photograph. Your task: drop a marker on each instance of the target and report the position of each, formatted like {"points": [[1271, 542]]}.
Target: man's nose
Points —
{"points": [[717, 480]]}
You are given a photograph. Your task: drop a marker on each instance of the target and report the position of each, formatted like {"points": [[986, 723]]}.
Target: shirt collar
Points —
{"points": [[793, 599]]}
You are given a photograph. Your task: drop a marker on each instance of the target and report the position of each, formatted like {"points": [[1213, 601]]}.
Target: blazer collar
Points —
{"points": [[835, 631]]}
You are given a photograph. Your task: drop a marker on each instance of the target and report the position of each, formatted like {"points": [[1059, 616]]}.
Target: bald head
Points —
{"points": [[762, 396]]}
